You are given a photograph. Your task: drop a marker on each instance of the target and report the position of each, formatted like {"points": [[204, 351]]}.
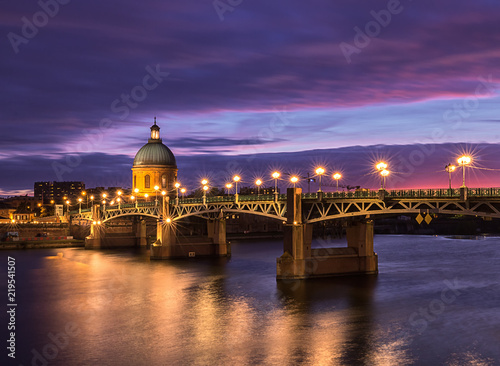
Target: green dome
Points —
{"points": [[154, 153]]}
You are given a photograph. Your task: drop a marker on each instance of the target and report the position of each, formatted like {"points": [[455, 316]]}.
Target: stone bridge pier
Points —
{"points": [[299, 261], [96, 237], [169, 245]]}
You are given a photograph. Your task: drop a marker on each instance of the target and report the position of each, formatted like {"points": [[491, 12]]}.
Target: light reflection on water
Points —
{"points": [[131, 311]]}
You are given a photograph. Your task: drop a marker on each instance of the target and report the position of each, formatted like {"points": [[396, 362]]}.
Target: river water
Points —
{"points": [[436, 301]]}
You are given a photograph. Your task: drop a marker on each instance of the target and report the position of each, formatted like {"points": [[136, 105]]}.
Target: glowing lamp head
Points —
{"points": [[67, 202], [99, 222], [177, 184], [450, 168], [381, 166], [119, 193], [118, 199], [146, 195], [163, 193], [91, 198], [132, 198], [294, 179], [136, 190], [384, 173], [337, 176], [258, 182], [205, 188], [104, 195], [112, 203], [276, 175], [79, 200], [204, 182], [320, 171], [169, 220], [229, 185], [156, 188], [464, 160], [236, 178], [183, 190], [103, 202], [84, 193]]}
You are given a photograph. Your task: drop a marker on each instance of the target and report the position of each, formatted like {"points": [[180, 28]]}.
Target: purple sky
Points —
{"points": [[259, 77]]}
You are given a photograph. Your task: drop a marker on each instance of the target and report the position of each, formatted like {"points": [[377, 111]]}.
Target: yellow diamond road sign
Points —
{"points": [[428, 219], [419, 219]]}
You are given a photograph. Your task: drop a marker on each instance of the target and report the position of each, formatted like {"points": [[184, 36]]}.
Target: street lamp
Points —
{"points": [[276, 175], [87, 197], [384, 173], [258, 182], [80, 203], [320, 171], [236, 179], [132, 198], [67, 208], [464, 161], [381, 167], [337, 177], [228, 186], [183, 192], [156, 195], [146, 196], [294, 180], [450, 168], [119, 202], [92, 200], [177, 185]]}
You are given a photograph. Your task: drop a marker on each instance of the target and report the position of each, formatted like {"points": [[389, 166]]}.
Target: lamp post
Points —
{"points": [[381, 167], [463, 161], [132, 198], [236, 179], [84, 194], [67, 207], [177, 185], [228, 186], [337, 177], [92, 200], [80, 205], [146, 196], [183, 192], [156, 195], [450, 168], [384, 173], [104, 195], [258, 182], [294, 180], [320, 171], [275, 176], [119, 200], [205, 189]]}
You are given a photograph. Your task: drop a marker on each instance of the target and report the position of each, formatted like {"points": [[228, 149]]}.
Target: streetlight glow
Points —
{"points": [[381, 166], [463, 161], [320, 171], [337, 177]]}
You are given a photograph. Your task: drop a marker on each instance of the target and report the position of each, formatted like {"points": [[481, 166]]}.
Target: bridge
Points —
{"points": [[298, 212]]}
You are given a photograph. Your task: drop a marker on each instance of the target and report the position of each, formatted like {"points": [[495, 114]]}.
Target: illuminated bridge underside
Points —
{"points": [[313, 210]]}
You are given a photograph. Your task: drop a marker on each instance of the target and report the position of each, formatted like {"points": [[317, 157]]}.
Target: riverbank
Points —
{"points": [[67, 243]]}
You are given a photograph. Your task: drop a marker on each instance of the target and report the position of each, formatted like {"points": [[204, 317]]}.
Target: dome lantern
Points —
{"points": [[155, 133]]}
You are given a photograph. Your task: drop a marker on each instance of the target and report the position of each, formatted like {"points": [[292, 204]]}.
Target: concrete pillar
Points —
{"points": [[165, 243], [360, 237], [95, 239], [140, 232], [216, 230]]}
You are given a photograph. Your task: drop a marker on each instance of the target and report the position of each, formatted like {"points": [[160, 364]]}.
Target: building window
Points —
{"points": [[147, 181], [163, 181], [135, 181]]}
